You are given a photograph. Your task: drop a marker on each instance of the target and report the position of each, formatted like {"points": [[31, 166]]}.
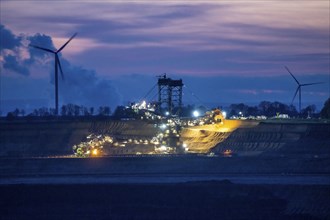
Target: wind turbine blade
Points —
{"points": [[308, 84], [41, 48], [59, 50], [292, 75], [59, 65], [295, 94]]}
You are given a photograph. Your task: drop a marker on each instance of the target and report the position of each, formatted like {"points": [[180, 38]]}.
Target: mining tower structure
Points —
{"points": [[169, 95]]}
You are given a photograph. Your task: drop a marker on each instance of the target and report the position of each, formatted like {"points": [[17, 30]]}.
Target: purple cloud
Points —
{"points": [[81, 86]]}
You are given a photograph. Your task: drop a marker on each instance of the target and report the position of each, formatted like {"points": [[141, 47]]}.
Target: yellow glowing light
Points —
{"points": [[95, 152], [227, 152]]}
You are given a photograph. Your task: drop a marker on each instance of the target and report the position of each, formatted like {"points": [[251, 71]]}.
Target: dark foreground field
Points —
{"points": [[192, 200], [176, 187]]}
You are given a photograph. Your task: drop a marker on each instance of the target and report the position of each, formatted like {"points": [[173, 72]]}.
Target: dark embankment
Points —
{"points": [[56, 137]]}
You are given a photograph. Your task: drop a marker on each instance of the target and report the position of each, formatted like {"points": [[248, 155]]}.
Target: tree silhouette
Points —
{"points": [[325, 112]]}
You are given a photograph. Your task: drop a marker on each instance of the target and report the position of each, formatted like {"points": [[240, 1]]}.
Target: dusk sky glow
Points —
{"points": [[225, 51]]}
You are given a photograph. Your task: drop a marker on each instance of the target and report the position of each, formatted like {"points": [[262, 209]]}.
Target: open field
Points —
{"points": [[167, 187], [191, 200]]}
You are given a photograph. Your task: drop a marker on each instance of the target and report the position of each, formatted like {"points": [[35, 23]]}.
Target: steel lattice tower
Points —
{"points": [[169, 95]]}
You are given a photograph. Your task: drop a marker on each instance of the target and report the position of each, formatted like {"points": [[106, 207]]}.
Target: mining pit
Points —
{"points": [[239, 137], [236, 170]]}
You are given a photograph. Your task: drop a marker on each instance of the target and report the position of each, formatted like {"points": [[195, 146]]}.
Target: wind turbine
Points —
{"points": [[57, 66], [299, 88]]}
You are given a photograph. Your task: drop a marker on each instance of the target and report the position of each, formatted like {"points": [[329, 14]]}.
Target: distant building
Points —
{"points": [[283, 116]]}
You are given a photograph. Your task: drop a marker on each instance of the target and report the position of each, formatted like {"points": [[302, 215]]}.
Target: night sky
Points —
{"points": [[225, 51]]}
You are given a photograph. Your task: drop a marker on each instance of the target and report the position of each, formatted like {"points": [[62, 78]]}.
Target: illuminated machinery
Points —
{"points": [[169, 95], [218, 116]]}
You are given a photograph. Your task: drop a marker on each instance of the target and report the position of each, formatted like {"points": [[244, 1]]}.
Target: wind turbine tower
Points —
{"points": [[299, 88], [57, 66]]}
